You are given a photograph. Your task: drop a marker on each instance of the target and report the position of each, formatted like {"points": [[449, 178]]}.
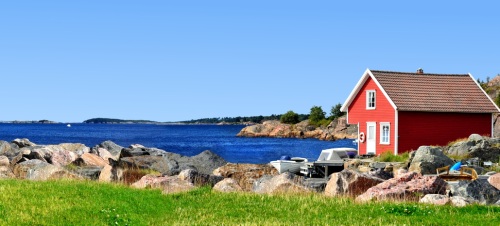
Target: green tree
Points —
{"points": [[290, 117], [317, 115], [336, 112], [497, 99]]}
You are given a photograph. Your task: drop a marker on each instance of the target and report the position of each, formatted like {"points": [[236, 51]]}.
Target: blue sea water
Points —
{"points": [[183, 139]]}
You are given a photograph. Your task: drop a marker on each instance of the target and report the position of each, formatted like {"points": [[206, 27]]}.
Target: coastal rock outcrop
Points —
{"points": [[408, 187], [426, 159], [337, 129]]}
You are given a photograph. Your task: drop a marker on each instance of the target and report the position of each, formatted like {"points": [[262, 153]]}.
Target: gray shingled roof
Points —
{"points": [[434, 92]]}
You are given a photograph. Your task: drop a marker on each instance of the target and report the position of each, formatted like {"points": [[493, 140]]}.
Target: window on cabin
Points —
{"points": [[370, 99], [385, 132]]}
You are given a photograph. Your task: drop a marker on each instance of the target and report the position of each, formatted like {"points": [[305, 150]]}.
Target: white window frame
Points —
{"points": [[368, 92], [382, 125]]}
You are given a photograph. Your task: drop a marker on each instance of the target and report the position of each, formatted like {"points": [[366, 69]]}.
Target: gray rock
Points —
{"points": [[461, 148], [8, 149], [113, 148], [227, 185], [130, 152], [484, 148], [282, 183], [427, 159], [479, 191], [36, 169], [435, 199], [88, 172], [475, 137], [349, 182], [458, 201], [5, 171], [245, 174], [199, 179], [168, 184], [24, 142], [381, 173]]}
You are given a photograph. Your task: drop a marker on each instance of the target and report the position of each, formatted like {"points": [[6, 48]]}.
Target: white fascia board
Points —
{"points": [[479, 86], [355, 91], [383, 91]]}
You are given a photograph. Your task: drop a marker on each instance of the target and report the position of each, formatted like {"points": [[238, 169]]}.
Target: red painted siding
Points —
{"points": [[383, 112], [426, 128]]}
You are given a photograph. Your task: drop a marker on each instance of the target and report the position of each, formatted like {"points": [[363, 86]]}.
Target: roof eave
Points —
{"points": [[488, 96], [357, 88], [355, 91]]}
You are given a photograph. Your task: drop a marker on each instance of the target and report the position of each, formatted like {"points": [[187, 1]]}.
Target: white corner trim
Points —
{"points": [[479, 86], [396, 123]]}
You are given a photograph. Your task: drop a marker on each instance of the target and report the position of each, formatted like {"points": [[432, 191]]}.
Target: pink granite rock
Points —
{"points": [[349, 182], [408, 187], [494, 180]]}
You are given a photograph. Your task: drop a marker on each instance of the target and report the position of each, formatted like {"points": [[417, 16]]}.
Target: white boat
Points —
{"points": [[329, 161], [291, 165], [69, 125]]}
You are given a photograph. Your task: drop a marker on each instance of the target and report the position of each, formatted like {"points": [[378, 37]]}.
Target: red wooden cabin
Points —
{"points": [[400, 111]]}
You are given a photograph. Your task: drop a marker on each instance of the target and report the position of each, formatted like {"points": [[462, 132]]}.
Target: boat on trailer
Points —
{"points": [[329, 161], [287, 164]]}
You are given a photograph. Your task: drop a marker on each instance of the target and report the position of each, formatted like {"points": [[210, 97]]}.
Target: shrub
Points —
{"points": [[388, 156], [289, 117]]}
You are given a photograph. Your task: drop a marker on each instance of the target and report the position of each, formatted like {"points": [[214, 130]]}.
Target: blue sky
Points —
{"points": [[69, 61]]}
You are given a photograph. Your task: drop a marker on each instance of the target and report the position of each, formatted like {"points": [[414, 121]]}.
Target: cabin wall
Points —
{"points": [[427, 128], [383, 112]]}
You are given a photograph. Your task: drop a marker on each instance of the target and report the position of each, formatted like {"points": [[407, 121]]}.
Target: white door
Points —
{"points": [[371, 137]]}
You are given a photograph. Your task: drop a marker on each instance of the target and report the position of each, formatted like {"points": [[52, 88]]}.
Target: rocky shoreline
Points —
{"points": [[337, 129], [362, 179]]}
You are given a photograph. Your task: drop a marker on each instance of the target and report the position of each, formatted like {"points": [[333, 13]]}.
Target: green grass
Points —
{"points": [[91, 203], [388, 156]]}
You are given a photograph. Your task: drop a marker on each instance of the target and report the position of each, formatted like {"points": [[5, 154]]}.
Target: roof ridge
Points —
{"points": [[415, 73]]}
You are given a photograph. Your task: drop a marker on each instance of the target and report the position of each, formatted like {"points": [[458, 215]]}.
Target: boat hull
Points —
{"points": [[287, 166]]}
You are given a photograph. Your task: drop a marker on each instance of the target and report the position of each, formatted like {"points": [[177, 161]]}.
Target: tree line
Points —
{"points": [[317, 116]]}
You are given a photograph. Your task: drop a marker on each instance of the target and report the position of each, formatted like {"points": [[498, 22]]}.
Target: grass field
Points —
{"points": [[91, 203]]}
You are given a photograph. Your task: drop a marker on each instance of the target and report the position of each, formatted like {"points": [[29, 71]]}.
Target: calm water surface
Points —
{"points": [[183, 139]]}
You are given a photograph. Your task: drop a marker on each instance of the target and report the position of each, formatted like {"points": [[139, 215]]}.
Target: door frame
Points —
{"points": [[371, 138]]}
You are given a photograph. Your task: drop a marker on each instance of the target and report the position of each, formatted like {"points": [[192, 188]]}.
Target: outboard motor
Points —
{"points": [[285, 157]]}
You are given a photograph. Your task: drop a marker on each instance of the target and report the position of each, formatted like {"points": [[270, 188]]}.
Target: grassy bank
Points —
{"points": [[90, 203]]}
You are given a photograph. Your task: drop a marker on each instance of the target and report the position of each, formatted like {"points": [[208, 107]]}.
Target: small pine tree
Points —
{"points": [[336, 112], [317, 115]]}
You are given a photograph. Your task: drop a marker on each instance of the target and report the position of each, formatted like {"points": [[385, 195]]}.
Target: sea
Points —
{"points": [[186, 140]]}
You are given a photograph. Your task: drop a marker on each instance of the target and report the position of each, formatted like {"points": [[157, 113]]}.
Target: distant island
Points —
{"points": [[220, 121], [239, 120], [118, 121]]}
